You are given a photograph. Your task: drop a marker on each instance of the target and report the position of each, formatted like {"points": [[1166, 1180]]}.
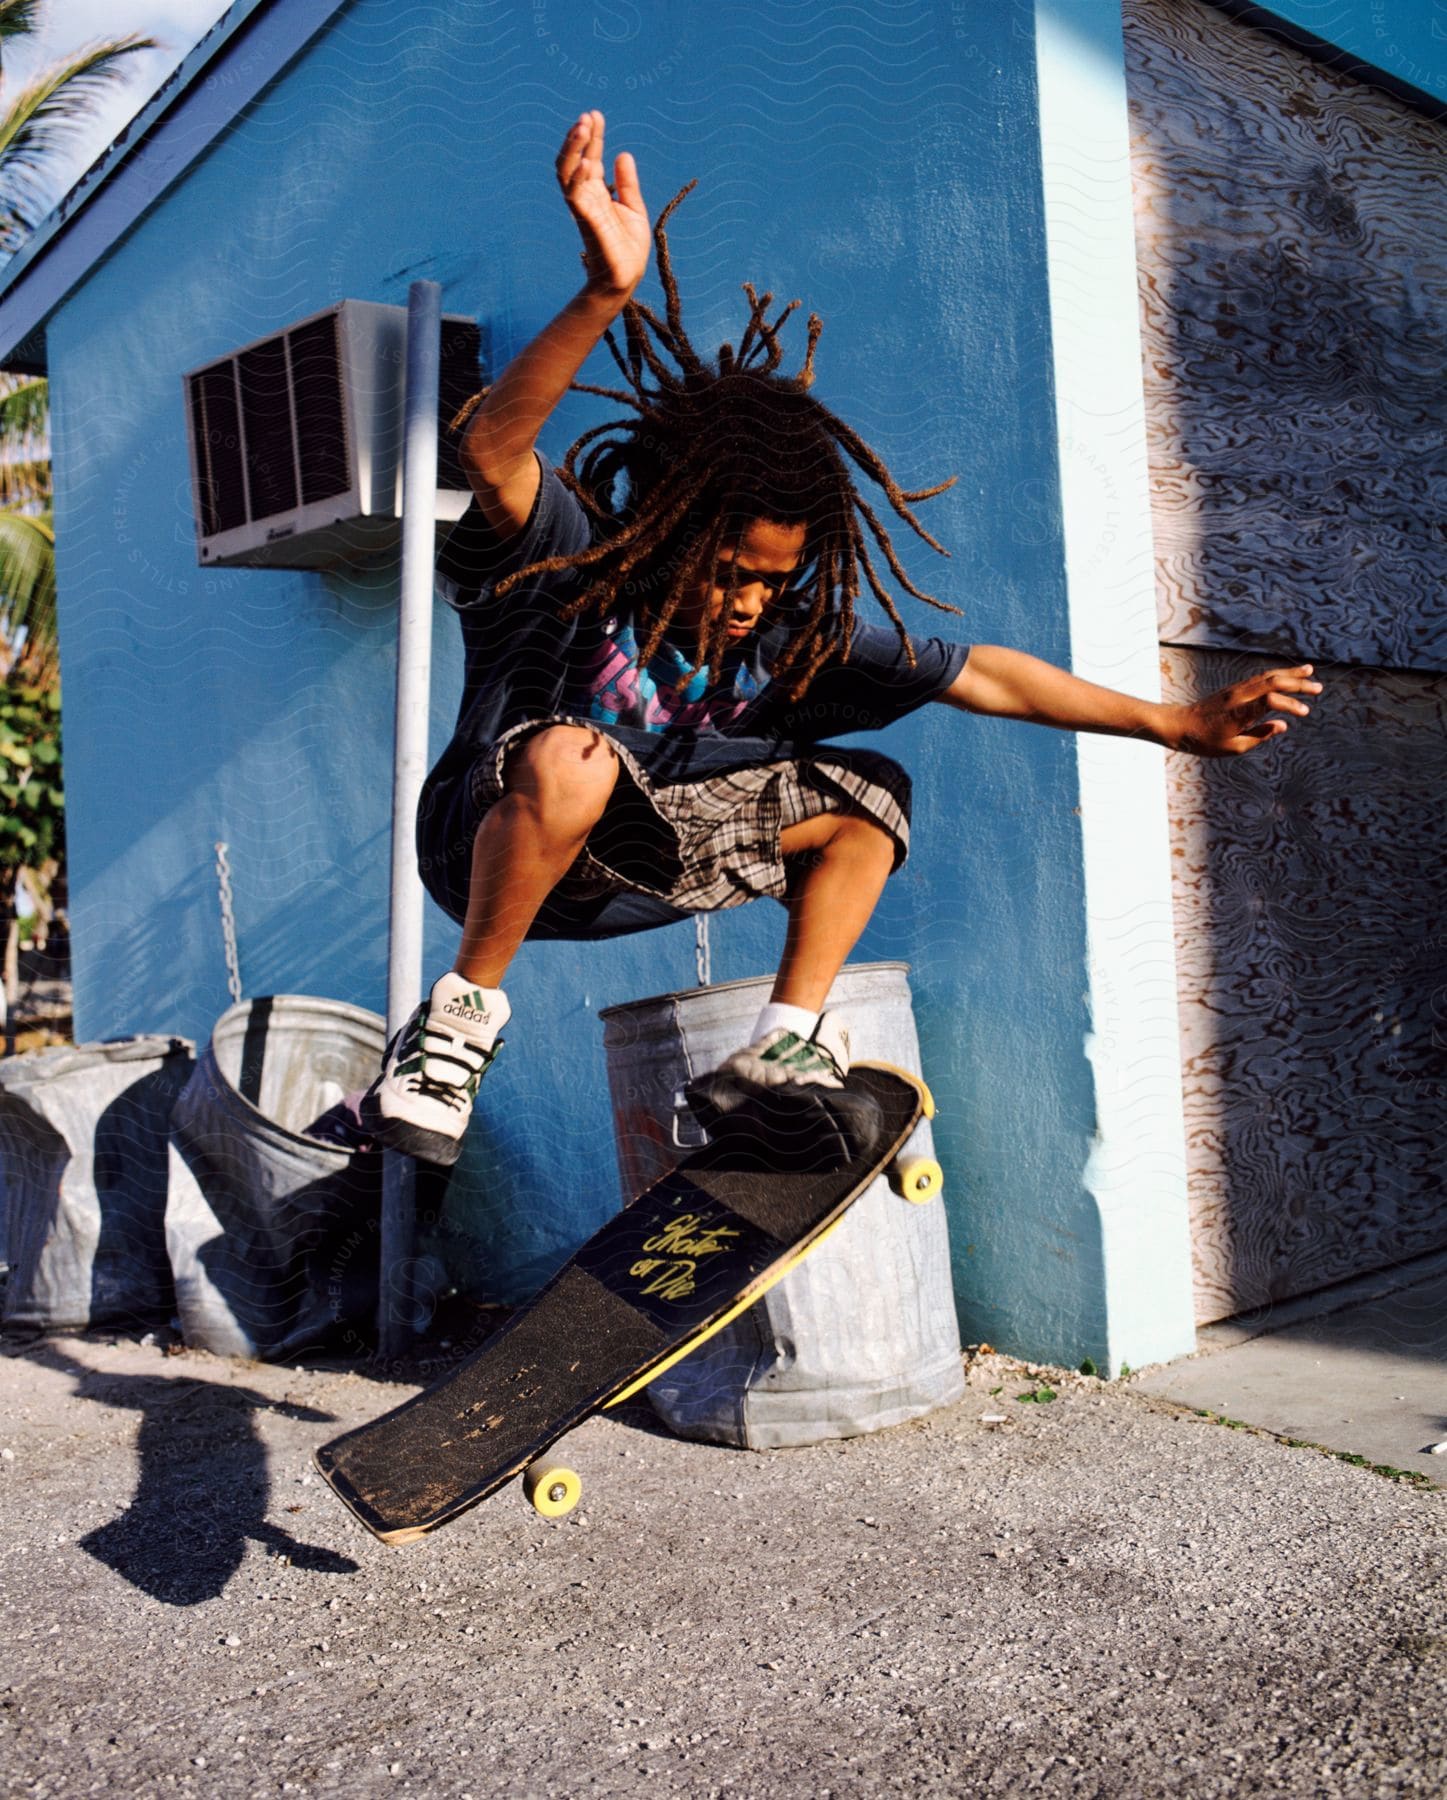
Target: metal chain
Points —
{"points": [[700, 946], [228, 923]]}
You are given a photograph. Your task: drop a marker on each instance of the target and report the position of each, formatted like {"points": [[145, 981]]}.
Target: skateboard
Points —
{"points": [[655, 1282]]}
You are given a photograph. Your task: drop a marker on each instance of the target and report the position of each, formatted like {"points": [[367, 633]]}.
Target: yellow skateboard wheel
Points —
{"points": [[917, 1178], [552, 1489]]}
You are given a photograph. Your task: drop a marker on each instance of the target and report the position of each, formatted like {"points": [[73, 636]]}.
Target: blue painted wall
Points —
{"points": [[884, 168]]}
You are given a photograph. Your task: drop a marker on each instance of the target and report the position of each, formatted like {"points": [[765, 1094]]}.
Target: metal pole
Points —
{"points": [[409, 767]]}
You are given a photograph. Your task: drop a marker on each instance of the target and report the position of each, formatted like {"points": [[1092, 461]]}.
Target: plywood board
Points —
{"points": [[1291, 228], [1312, 967]]}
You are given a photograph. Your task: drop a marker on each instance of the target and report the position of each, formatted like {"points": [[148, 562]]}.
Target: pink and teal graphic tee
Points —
{"points": [[670, 693]]}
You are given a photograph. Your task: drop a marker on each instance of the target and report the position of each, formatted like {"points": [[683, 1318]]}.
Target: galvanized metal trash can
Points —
{"points": [[863, 1334], [274, 1209], [83, 1150]]}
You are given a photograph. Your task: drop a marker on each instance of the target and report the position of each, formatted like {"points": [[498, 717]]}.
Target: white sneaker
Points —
{"points": [[422, 1100], [781, 1058], [791, 1097], [781, 1055]]}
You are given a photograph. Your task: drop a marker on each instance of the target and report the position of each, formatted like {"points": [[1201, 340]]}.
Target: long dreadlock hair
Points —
{"points": [[713, 448]]}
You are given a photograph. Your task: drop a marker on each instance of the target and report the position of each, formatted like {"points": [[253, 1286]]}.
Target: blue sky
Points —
{"points": [[68, 25]]}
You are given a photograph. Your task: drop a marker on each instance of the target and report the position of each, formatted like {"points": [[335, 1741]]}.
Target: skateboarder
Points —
{"points": [[660, 636]]}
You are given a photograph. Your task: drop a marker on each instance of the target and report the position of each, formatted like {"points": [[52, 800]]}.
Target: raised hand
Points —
{"points": [[1232, 719], [613, 221]]}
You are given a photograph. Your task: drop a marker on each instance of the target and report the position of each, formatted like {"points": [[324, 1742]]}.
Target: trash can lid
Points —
{"points": [[65, 1059]]}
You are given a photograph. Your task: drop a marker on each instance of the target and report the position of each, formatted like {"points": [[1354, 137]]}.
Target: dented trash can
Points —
{"points": [[83, 1134], [273, 1216]]}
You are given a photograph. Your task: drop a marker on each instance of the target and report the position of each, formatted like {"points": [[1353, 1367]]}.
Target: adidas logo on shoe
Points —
{"points": [[472, 1007]]}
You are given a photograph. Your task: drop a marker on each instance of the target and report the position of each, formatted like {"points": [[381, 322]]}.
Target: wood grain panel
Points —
{"points": [[1312, 962], [1291, 228]]}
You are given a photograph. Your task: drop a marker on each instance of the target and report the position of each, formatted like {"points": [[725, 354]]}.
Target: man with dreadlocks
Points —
{"points": [[658, 640]]}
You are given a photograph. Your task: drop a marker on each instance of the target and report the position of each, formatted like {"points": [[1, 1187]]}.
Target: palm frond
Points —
{"points": [[40, 123], [18, 18], [24, 411], [25, 482], [27, 592]]}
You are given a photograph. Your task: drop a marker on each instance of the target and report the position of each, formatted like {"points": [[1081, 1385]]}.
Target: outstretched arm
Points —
{"points": [[1008, 684], [497, 448]]}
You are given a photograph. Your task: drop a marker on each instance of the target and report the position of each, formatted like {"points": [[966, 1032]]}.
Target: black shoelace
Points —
{"points": [[432, 1087]]}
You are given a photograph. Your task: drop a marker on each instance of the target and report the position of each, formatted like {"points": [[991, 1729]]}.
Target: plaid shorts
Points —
{"points": [[711, 843]]}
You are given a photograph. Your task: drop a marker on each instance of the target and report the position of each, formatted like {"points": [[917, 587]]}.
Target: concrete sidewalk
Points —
{"points": [[1107, 1595], [1361, 1369]]}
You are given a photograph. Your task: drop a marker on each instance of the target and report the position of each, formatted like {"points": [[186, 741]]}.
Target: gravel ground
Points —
{"points": [[1105, 1596]]}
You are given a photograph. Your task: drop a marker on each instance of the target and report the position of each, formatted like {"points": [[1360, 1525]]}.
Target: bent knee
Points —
{"points": [[567, 767]]}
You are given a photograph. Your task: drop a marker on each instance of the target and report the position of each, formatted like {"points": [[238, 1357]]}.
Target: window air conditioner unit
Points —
{"points": [[296, 439]]}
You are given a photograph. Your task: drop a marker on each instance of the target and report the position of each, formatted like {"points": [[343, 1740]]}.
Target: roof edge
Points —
{"points": [[1334, 56], [155, 148]]}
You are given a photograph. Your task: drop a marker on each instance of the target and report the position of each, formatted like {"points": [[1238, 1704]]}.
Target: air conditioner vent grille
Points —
{"points": [[459, 379], [266, 421], [321, 415], [216, 424]]}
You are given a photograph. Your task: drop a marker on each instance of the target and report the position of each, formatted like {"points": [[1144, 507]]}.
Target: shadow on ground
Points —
{"points": [[204, 1488]]}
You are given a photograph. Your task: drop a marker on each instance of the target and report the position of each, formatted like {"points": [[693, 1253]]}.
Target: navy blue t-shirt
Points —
{"points": [[523, 661]]}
